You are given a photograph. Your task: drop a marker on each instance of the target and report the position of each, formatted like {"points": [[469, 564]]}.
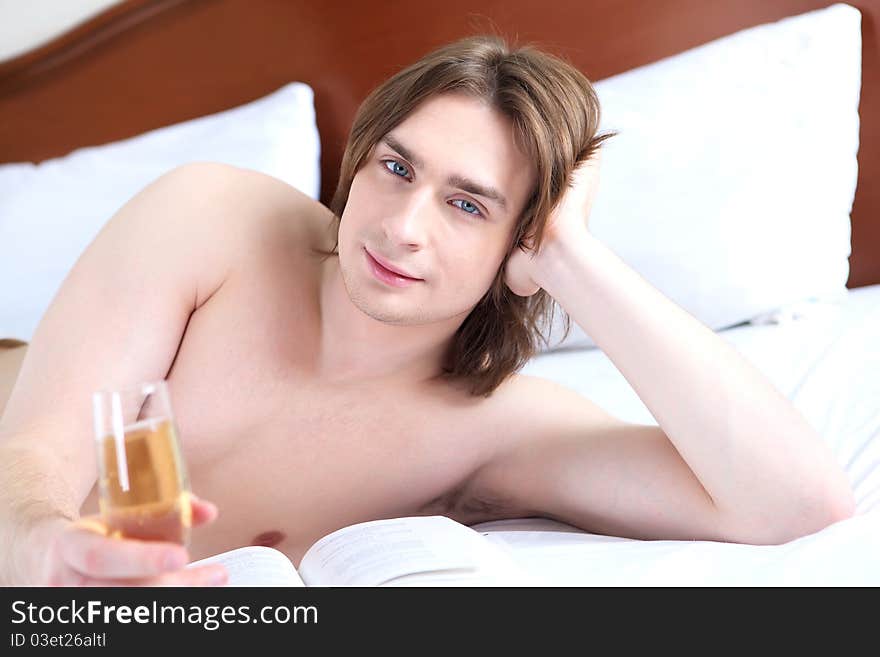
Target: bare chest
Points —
{"points": [[285, 459]]}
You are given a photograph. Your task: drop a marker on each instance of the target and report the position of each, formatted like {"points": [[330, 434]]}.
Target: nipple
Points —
{"points": [[269, 539]]}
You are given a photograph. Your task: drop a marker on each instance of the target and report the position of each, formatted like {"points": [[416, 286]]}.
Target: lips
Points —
{"points": [[391, 268]]}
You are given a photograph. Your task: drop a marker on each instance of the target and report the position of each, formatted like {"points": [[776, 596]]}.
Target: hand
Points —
{"points": [[566, 225], [79, 554]]}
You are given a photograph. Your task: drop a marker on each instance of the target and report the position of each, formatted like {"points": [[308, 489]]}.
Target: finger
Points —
{"points": [[203, 511], [213, 575], [94, 555]]}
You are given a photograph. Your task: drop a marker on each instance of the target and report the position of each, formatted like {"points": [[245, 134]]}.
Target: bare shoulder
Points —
{"points": [[253, 199], [533, 405], [532, 409], [253, 221], [526, 414]]}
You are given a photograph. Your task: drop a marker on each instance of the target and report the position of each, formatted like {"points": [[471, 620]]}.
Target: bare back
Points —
{"points": [[286, 458]]}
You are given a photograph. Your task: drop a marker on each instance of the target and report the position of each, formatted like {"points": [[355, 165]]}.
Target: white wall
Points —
{"points": [[26, 24]]}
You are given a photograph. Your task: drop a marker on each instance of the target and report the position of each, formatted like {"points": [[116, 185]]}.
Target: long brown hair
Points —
{"points": [[555, 113]]}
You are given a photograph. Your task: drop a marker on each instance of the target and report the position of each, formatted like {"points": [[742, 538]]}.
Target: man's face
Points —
{"points": [[411, 207]]}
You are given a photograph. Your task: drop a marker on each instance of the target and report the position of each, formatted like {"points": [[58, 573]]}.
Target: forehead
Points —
{"points": [[453, 135]]}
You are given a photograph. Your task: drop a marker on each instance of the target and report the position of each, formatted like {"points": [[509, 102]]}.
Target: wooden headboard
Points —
{"points": [[147, 63]]}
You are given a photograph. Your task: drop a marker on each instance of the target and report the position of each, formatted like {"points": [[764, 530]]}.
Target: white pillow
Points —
{"points": [[730, 185], [50, 212]]}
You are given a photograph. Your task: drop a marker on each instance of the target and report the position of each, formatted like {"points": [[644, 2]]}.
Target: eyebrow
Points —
{"points": [[455, 180]]}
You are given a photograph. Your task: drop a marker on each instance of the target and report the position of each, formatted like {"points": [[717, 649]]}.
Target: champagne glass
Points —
{"points": [[143, 484]]}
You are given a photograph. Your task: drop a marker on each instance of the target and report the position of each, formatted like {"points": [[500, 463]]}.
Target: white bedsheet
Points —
{"points": [[828, 365]]}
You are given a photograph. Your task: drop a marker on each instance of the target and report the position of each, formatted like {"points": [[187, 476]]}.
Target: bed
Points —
{"points": [[775, 246], [827, 365]]}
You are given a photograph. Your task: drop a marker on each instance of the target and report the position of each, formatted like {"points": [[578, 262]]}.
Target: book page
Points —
{"points": [[501, 573], [418, 550], [255, 565]]}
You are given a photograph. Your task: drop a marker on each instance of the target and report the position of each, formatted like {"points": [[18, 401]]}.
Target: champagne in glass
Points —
{"points": [[143, 484]]}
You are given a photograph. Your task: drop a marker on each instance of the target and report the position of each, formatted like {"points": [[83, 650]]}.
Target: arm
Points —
{"points": [[118, 318], [576, 463], [765, 471]]}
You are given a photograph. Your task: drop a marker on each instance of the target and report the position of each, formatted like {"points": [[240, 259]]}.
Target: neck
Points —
{"points": [[356, 348]]}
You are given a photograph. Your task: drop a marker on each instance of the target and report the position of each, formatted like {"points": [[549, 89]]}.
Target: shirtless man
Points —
{"points": [[307, 389]]}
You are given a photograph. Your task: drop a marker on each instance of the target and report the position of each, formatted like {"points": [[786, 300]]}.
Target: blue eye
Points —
{"points": [[395, 168], [467, 204]]}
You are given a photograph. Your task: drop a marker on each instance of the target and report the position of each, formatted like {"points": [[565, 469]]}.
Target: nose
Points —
{"points": [[407, 223]]}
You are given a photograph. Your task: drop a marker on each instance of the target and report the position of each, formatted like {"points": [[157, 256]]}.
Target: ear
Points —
{"points": [[516, 273]]}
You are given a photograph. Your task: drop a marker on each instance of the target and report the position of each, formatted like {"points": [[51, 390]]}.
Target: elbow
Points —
{"points": [[839, 505], [836, 504], [846, 503], [843, 507], [838, 510], [815, 523], [806, 520]]}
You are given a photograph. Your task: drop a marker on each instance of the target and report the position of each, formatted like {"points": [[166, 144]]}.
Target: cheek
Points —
{"points": [[475, 269], [352, 218], [363, 207]]}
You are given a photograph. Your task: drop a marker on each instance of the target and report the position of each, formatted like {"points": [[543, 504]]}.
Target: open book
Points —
{"points": [[411, 551]]}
